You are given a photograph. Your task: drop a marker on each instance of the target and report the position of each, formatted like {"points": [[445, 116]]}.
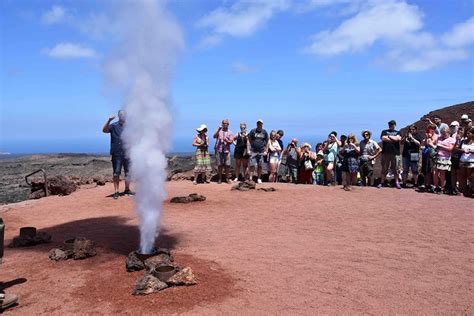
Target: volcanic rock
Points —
{"points": [[183, 277], [57, 254], [38, 194], [269, 189], [61, 185], [194, 197], [244, 186], [25, 240], [158, 260], [83, 248], [99, 180], [148, 284], [132, 263]]}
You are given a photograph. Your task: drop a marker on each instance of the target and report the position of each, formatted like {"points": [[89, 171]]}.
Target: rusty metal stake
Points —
{"points": [[45, 180]]}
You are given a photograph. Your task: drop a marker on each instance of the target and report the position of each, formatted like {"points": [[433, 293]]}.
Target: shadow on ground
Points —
{"points": [[113, 233]]}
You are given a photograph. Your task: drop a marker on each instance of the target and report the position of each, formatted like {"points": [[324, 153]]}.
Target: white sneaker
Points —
{"points": [[259, 180], [236, 179]]}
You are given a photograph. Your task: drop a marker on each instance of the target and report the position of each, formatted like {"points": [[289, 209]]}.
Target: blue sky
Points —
{"points": [[307, 66]]}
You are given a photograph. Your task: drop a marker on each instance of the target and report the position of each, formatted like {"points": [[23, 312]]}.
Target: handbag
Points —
{"points": [[414, 157], [308, 165]]}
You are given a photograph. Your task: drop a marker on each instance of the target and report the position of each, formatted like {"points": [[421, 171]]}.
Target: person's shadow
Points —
{"points": [[6, 285]]}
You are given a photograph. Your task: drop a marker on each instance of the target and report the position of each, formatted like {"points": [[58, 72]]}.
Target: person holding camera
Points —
{"points": [[350, 162], [292, 161], [306, 158], [274, 155], [330, 149], [117, 151], [411, 154], [224, 138], [203, 159], [241, 156], [257, 146]]}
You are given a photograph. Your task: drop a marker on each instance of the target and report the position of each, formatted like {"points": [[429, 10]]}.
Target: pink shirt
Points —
{"points": [[222, 146], [445, 142]]}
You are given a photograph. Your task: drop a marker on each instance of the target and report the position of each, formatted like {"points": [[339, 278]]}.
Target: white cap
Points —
{"points": [[454, 123], [464, 117], [201, 128], [260, 121]]}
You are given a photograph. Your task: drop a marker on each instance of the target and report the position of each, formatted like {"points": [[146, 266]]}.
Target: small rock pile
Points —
{"points": [[30, 237], [161, 272], [193, 197], [57, 185], [75, 248], [269, 189], [244, 186]]}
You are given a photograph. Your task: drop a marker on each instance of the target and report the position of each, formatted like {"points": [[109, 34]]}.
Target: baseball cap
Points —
{"points": [[454, 123], [260, 121], [464, 117]]}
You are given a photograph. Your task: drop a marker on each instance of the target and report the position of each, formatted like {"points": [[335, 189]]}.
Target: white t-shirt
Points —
{"points": [[467, 157]]}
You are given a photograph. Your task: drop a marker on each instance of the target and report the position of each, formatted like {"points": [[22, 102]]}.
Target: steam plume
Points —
{"points": [[140, 68]]}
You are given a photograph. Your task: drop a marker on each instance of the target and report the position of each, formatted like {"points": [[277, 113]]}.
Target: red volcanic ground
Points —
{"points": [[299, 250]]}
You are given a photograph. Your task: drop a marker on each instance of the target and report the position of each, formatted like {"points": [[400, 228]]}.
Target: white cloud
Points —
{"points": [[240, 68], [242, 18], [461, 35], [398, 27], [69, 50], [381, 22], [55, 15], [211, 40]]}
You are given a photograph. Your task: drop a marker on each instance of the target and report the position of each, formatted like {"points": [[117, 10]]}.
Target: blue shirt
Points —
{"points": [[116, 144]]}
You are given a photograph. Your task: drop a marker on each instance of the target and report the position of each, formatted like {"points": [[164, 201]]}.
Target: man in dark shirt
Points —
{"points": [[411, 154], [257, 146], [117, 150], [390, 153]]}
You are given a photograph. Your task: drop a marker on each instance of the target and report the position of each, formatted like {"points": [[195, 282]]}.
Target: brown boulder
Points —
{"points": [[83, 248], [183, 277], [148, 284], [61, 185], [57, 254], [244, 186], [194, 197], [132, 263]]}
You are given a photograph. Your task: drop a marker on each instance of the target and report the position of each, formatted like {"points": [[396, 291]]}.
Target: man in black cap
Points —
{"points": [[117, 150], [390, 153], [257, 147]]}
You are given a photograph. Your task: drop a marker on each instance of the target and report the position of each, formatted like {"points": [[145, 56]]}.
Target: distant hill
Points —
{"points": [[447, 115]]}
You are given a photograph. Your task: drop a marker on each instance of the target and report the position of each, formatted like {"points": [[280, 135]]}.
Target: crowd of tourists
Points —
{"points": [[439, 159]]}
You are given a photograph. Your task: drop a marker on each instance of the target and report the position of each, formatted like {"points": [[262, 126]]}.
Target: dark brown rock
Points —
{"points": [[148, 284], [61, 185], [83, 248], [38, 194], [57, 254], [132, 263], [244, 186], [270, 189], [194, 197], [27, 240], [183, 277], [158, 260]]}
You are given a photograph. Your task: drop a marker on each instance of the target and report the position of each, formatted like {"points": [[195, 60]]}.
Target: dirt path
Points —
{"points": [[300, 250]]}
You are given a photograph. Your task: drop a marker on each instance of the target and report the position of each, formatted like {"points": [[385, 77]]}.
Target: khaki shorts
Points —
{"points": [[390, 161], [223, 159]]}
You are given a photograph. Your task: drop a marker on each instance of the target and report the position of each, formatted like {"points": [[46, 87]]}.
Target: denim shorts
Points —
{"points": [[117, 163], [409, 165]]}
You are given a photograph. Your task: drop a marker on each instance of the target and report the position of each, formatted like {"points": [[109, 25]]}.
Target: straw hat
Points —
{"points": [[201, 128]]}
